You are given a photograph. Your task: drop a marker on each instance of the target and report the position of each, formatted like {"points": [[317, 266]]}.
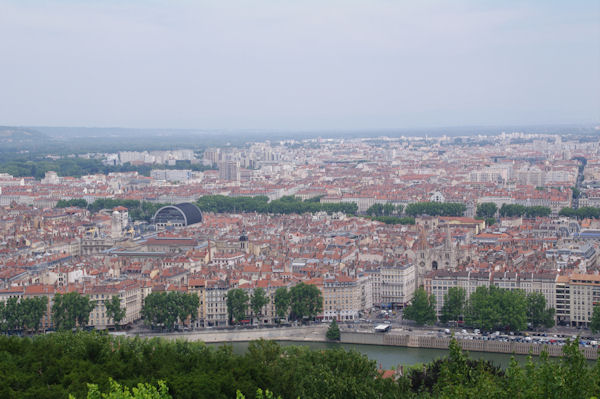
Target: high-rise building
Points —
{"points": [[229, 170]]}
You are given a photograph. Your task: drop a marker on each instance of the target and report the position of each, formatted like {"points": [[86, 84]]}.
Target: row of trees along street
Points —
{"points": [[488, 308], [302, 301], [68, 311]]}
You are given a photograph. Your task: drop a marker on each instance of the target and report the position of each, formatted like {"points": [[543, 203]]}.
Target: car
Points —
{"points": [[446, 331], [476, 331]]}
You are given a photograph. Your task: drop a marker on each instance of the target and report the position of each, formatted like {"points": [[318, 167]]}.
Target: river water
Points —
{"points": [[388, 356]]}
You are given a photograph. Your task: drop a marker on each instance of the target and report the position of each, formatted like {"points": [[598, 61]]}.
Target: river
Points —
{"points": [[391, 356]]}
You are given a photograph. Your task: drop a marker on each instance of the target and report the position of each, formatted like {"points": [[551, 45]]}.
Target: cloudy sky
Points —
{"points": [[306, 64]]}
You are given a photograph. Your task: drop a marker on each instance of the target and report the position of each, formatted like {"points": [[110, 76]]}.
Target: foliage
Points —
{"points": [[537, 314], [114, 310], [454, 304], [386, 209], [258, 301], [22, 314], [142, 391], [491, 308], [435, 209], [393, 219], [259, 394], [306, 301], [237, 304], [80, 203], [63, 363], [261, 204], [595, 321], [421, 308], [486, 210], [78, 166], [514, 210], [586, 212], [333, 332], [71, 310], [165, 309], [282, 302]]}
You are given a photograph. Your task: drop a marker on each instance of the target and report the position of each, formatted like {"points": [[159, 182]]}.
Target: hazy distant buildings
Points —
{"points": [[229, 170], [172, 175]]}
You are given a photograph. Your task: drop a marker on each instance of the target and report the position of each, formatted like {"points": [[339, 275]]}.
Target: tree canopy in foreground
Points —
{"points": [[56, 365]]}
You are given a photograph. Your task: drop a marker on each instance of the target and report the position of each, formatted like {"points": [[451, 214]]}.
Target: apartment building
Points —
{"points": [[131, 296], [216, 303], [394, 285], [345, 297], [438, 282], [198, 286], [576, 296]]}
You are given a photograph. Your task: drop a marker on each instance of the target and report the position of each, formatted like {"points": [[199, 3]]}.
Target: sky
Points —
{"points": [[310, 64]]}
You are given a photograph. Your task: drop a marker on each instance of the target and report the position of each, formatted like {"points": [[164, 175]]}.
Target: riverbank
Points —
{"points": [[307, 334], [394, 338], [434, 342]]}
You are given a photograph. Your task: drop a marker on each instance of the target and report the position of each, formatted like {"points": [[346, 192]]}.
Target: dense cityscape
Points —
{"points": [[320, 199], [181, 234]]}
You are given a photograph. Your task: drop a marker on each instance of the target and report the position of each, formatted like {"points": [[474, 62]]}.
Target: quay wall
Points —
{"points": [[421, 341]]}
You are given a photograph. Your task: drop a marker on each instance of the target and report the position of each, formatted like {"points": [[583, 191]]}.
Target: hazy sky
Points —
{"points": [[299, 64]]}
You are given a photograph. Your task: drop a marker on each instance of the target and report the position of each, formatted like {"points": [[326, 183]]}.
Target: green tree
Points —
{"points": [[142, 391], [454, 303], [537, 314], [333, 332], [32, 310], [71, 310], [237, 304], [165, 309], [114, 310], [421, 308], [595, 321], [492, 307], [486, 210], [258, 301], [306, 301], [282, 302]]}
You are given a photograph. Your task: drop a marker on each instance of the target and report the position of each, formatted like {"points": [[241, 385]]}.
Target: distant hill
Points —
{"points": [[10, 134]]}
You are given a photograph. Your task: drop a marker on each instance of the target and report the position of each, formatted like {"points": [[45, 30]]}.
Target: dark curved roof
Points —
{"points": [[190, 212]]}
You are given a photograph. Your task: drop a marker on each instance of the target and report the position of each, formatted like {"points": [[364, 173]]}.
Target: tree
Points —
{"points": [[71, 310], [33, 309], [595, 321], [492, 307], [435, 209], [486, 210], [306, 301], [114, 310], [282, 302], [142, 391], [333, 332], [421, 308], [258, 301], [165, 309], [237, 304], [537, 314], [454, 303]]}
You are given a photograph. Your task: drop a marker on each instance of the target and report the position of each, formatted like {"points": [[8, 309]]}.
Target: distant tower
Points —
{"points": [[115, 224], [244, 242]]}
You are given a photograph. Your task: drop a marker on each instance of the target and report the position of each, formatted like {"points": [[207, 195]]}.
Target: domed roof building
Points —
{"points": [[183, 214]]}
